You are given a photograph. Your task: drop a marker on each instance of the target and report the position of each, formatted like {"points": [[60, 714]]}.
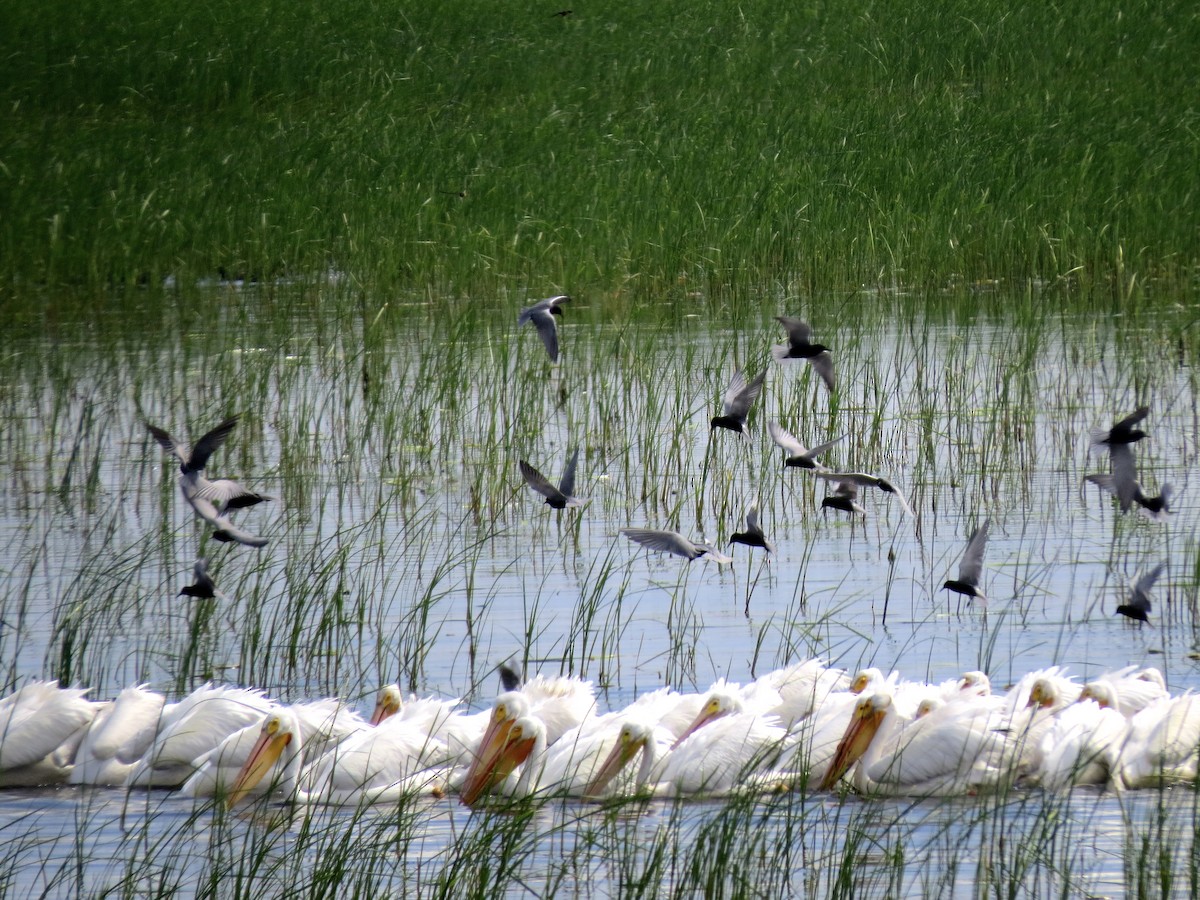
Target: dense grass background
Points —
{"points": [[643, 149]]}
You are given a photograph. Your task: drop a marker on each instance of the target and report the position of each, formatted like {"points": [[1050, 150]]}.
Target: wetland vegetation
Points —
{"points": [[327, 217]]}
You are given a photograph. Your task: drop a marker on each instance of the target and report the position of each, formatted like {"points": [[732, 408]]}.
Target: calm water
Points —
{"points": [[415, 552]]}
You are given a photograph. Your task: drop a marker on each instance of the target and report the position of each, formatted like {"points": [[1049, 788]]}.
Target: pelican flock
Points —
{"points": [[806, 727]]}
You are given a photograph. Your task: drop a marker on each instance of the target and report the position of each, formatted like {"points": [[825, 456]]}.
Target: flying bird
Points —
{"points": [[1138, 605], [737, 401], [800, 346], [556, 497], [674, 542], [971, 567], [844, 498], [798, 456], [204, 588], [542, 314], [753, 535], [224, 494], [862, 479], [1122, 432], [1122, 483]]}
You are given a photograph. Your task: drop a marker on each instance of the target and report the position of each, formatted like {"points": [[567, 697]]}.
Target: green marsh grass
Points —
{"points": [[457, 152]]}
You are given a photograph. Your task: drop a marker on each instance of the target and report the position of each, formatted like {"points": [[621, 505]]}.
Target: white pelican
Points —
{"points": [[459, 731], [322, 725], [1161, 744], [1080, 746], [191, 728], [1127, 690], [739, 751], [951, 750], [41, 725], [118, 737], [372, 765], [802, 688]]}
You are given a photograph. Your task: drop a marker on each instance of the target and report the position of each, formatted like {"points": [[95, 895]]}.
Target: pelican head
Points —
{"points": [[1043, 694], [928, 705], [389, 702], [719, 703], [276, 734], [976, 684], [634, 738], [1103, 693], [506, 709], [869, 713], [864, 679], [521, 737]]}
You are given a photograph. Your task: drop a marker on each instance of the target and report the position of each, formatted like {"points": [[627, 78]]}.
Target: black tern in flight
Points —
{"points": [[542, 314], [753, 536], [1122, 432], [1138, 605], [224, 494], [800, 346], [674, 542], [204, 588], [556, 497], [862, 479], [737, 401], [971, 568], [797, 454], [844, 498]]}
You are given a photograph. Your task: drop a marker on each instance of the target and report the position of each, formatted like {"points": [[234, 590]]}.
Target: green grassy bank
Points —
{"points": [[645, 149]]}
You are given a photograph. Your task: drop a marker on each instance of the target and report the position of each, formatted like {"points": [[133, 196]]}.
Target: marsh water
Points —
{"points": [[405, 547]]}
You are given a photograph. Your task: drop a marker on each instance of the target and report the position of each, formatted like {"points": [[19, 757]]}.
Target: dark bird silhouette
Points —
{"points": [[796, 454], [1122, 432], [844, 498], [204, 588], [970, 569], [800, 346], [542, 314], [737, 401], [753, 536], [1122, 483], [1138, 605], [862, 479], [556, 497], [676, 543], [510, 676]]}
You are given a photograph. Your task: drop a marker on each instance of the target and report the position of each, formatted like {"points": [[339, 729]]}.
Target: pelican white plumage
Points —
{"points": [[739, 751], [1126, 690], [802, 688], [118, 737], [1080, 746], [192, 728], [41, 726], [321, 724], [1161, 744], [394, 759], [459, 731], [954, 749]]}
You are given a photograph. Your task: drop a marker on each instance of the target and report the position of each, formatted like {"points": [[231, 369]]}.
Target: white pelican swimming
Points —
{"points": [[734, 752], [1080, 746], [1127, 690], [953, 749], [1161, 744], [118, 737], [191, 728], [460, 731], [41, 725], [373, 765], [322, 724]]}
